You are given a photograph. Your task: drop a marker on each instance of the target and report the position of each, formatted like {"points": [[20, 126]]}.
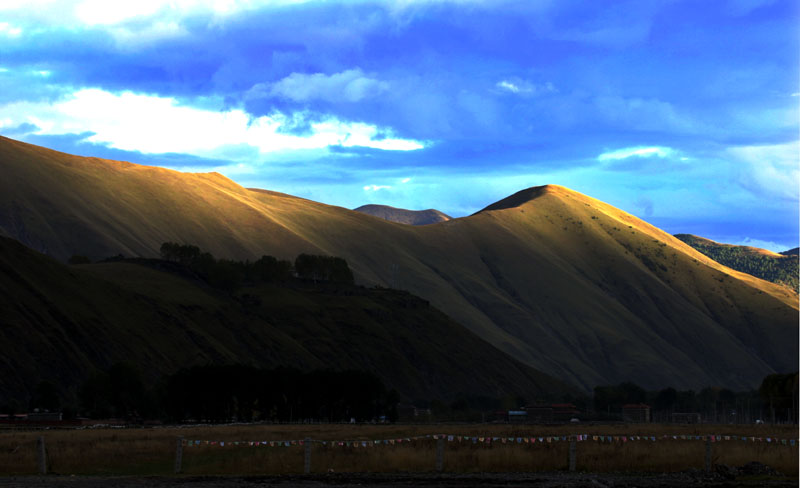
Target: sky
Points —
{"points": [[682, 113]]}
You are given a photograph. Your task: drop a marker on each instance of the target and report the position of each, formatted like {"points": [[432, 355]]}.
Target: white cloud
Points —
{"points": [[152, 124], [525, 88], [638, 151], [103, 12], [131, 23], [770, 169], [376, 187], [348, 86], [9, 30], [405, 180], [643, 114], [770, 245], [508, 86], [151, 33]]}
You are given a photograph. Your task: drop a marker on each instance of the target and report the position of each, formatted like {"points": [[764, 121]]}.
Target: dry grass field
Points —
{"points": [[142, 452]]}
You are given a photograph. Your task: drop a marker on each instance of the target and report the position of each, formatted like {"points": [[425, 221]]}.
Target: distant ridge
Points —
{"points": [[791, 252], [781, 268], [403, 216]]}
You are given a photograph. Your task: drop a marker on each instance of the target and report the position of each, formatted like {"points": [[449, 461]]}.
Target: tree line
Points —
{"points": [[774, 401], [230, 274], [228, 393], [223, 393]]}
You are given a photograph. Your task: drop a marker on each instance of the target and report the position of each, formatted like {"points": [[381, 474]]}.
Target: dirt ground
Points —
{"points": [[367, 480]]}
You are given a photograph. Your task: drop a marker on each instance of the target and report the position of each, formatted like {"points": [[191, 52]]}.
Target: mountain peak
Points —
{"points": [[524, 196]]}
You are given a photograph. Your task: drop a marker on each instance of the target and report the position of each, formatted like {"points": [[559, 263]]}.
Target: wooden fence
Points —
{"points": [[184, 447]]}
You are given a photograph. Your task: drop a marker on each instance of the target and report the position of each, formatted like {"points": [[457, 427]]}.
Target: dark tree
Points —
{"points": [[46, 397], [182, 253], [666, 399], [268, 268], [323, 268]]}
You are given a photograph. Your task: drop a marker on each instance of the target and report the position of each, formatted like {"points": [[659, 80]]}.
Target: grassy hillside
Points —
{"points": [[403, 216], [778, 268], [60, 322], [577, 288], [560, 281]]}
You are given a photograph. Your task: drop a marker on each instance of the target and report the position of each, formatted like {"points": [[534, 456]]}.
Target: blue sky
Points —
{"points": [[683, 113]]}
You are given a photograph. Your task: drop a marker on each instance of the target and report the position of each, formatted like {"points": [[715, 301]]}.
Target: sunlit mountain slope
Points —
{"points": [[561, 281]]}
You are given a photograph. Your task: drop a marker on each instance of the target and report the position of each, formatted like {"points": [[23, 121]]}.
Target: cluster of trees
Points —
{"points": [[225, 393], [775, 401], [323, 268], [229, 275], [118, 392], [780, 393], [243, 393]]}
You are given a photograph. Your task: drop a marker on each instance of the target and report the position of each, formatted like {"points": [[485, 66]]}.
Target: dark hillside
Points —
{"points": [[60, 322]]}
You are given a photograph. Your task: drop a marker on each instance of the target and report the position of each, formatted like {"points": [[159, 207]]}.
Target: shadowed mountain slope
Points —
{"points": [[563, 282], [60, 322], [403, 216], [781, 268]]}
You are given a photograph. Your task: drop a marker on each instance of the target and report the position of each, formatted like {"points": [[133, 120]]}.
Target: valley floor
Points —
{"points": [[691, 478], [255, 455]]}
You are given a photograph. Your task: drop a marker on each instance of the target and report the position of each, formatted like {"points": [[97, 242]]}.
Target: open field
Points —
{"points": [[384, 480], [151, 452]]}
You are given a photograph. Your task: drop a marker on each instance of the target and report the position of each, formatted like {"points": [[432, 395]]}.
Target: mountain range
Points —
{"points": [[564, 283]]}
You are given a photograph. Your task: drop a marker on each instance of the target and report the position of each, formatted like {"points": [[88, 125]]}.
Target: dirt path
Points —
{"points": [[360, 480]]}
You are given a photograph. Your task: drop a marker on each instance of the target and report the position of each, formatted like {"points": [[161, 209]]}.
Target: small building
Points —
{"points": [[551, 413], [686, 418], [45, 417], [636, 412], [564, 412], [410, 413], [517, 416], [540, 414]]}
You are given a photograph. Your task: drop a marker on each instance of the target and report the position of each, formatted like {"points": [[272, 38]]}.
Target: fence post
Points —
{"points": [[440, 455], [573, 452], [41, 455], [178, 455], [708, 454], [307, 459]]}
